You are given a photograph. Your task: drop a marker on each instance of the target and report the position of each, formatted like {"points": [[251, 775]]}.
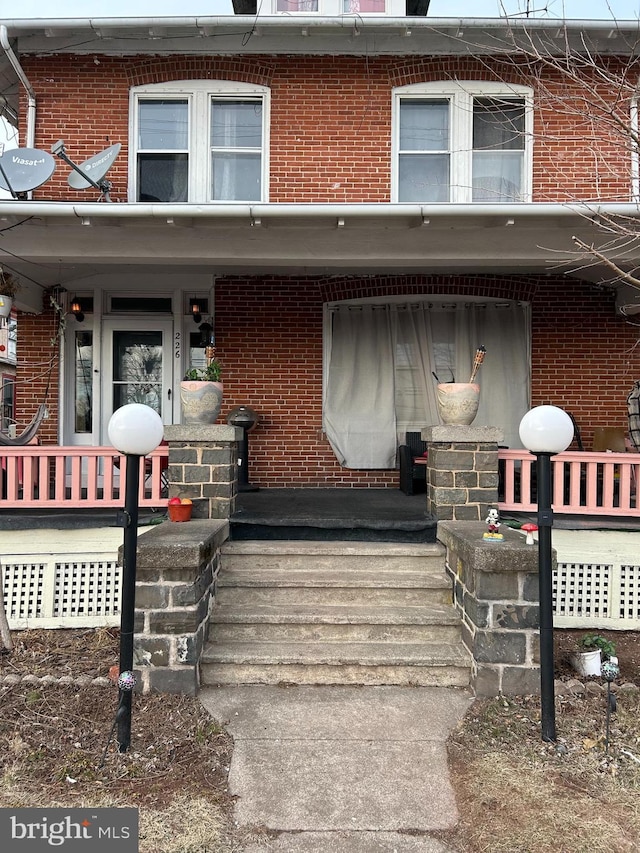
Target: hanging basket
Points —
{"points": [[6, 304]]}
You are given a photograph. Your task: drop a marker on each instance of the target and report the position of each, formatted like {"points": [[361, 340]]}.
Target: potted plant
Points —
{"points": [[8, 289], [592, 648], [201, 392], [458, 401]]}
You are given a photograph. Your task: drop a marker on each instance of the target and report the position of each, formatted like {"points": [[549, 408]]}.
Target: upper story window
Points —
{"points": [[462, 142], [297, 6], [393, 8], [199, 141]]}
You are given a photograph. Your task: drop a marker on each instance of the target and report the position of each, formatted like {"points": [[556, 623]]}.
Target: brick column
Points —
{"points": [[177, 567], [462, 471], [496, 591], [203, 466]]}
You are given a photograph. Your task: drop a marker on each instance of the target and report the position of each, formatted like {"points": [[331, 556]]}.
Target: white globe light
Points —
{"points": [[135, 429], [546, 429]]}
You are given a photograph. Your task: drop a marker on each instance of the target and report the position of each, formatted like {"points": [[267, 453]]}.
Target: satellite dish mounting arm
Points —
{"points": [[103, 186]]}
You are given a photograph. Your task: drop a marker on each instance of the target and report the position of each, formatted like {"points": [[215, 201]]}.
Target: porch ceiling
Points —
{"points": [[57, 243]]}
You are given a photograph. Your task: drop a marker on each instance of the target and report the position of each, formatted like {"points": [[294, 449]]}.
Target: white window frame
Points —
{"points": [[199, 94], [335, 8], [635, 154], [461, 94]]}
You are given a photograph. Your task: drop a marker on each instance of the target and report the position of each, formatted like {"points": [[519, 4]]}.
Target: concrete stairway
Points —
{"points": [[334, 613]]}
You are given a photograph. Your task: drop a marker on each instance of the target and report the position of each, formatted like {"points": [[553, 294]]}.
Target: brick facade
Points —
{"points": [[269, 338], [330, 129], [330, 141]]}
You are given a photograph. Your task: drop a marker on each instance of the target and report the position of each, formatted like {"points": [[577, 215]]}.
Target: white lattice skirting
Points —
{"points": [[598, 595], [597, 584], [62, 593]]}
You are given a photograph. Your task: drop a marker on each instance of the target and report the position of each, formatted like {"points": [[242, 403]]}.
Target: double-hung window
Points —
{"points": [[199, 141], [396, 8], [462, 142]]}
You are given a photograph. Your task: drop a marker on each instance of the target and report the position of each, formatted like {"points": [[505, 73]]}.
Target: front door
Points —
{"points": [[137, 367]]}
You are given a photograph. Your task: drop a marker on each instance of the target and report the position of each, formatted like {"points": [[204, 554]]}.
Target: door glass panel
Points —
{"points": [[137, 369], [83, 392]]}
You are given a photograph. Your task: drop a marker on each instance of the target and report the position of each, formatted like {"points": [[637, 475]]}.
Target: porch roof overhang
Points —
{"points": [[49, 243]]}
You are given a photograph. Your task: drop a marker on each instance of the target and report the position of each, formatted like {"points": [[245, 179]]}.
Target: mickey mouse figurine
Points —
{"points": [[493, 524]]}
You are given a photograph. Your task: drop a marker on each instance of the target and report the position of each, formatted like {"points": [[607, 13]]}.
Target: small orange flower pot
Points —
{"points": [[180, 512]]}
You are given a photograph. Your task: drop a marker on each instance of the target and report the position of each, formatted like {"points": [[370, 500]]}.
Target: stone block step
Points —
{"points": [[424, 664], [332, 556], [339, 594], [269, 624]]}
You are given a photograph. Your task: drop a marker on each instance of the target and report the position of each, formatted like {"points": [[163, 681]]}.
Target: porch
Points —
{"points": [[586, 484], [60, 566]]}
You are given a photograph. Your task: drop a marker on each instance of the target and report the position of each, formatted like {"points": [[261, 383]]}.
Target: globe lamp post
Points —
{"points": [[135, 430], [545, 431]]}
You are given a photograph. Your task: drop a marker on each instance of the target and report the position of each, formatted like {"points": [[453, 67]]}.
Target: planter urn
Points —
{"points": [[201, 401], [458, 402]]}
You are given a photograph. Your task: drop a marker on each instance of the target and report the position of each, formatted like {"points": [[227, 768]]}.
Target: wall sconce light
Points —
{"points": [[207, 337], [195, 310], [76, 309]]}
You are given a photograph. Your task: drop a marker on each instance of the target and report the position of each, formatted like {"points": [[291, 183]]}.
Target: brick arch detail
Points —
{"points": [[501, 287], [172, 68], [447, 68]]}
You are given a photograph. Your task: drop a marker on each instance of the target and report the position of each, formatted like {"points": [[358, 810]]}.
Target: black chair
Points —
{"points": [[413, 477]]}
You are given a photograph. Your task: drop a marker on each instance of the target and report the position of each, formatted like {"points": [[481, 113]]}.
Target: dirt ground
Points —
{"points": [[514, 793]]}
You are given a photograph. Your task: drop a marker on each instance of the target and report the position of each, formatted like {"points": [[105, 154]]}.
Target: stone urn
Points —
{"points": [[458, 402], [201, 401]]}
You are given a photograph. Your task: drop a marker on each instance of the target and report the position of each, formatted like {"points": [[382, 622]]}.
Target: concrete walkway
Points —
{"points": [[348, 769]]}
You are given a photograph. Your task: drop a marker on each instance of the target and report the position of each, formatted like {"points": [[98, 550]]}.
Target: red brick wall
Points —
{"points": [[330, 133], [330, 142], [269, 337]]}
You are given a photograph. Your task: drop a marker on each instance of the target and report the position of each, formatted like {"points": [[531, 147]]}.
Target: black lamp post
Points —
{"points": [[545, 431], [134, 430], [246, 418]]}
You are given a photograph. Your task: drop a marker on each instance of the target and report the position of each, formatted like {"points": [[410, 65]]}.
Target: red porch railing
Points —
{"points": [[584, 483], [69, 477]]}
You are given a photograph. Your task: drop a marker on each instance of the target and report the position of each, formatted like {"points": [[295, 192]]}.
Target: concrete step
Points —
{"points": [[338, 556], [334, 613], [270, 624], [424, 664], [308, 586]]}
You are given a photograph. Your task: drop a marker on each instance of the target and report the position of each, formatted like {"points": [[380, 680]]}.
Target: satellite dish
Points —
{"points": [[91, 173], [95, 168], [24, 169]]}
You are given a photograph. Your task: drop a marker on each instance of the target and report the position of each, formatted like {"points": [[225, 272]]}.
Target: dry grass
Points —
{"points": [[517, 794], [53, 738]]}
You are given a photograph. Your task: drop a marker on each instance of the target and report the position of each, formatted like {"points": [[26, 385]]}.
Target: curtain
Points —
{"points": [[359, 414], [382, 363], [503, 329]]}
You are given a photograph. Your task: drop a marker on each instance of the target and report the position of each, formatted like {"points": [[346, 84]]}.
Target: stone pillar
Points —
{"points": [[496, 590], [462, 471], [177, 567], [203, 466]]}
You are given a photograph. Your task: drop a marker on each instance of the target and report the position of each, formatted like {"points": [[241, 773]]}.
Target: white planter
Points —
{"points": [[587, 663], [201, 401], [458, 402]]}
